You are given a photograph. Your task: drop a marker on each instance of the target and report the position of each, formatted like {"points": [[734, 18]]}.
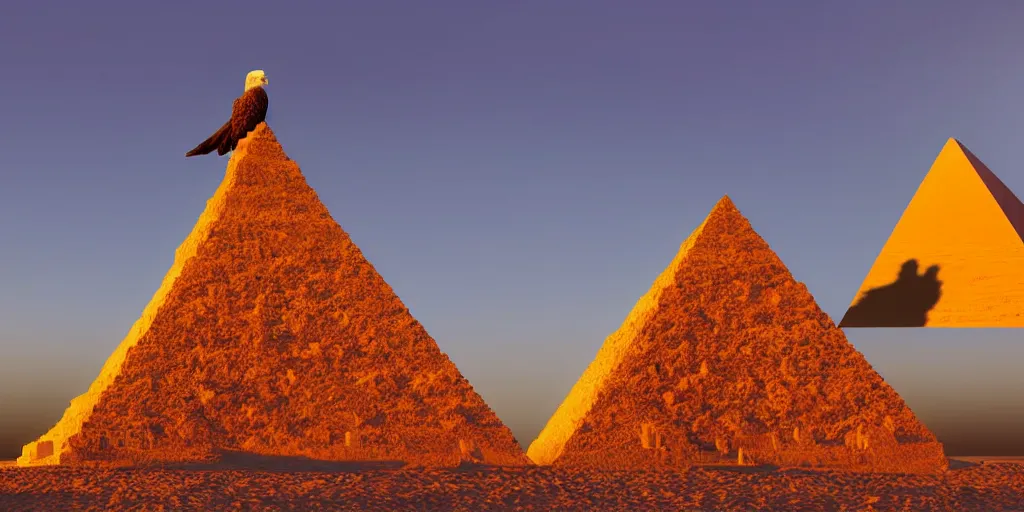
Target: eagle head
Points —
{"points": [[255, 78]]}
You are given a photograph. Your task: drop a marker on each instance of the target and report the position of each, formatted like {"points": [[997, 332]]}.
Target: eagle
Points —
{"points": [[247, 111]]}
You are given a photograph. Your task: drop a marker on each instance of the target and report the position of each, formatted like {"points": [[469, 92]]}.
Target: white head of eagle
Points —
{"points": [[255, 78], [248, 111]]}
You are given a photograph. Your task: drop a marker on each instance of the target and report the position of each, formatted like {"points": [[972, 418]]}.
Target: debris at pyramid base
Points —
{"points": [[273, 336], [425, 448], [878, 452]]}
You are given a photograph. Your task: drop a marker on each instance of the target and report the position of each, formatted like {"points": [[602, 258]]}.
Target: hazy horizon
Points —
{"points": [[518, 173]]}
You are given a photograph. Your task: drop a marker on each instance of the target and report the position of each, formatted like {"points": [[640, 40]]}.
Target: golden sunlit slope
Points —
{"points": [[964, 226], [273, 335], [728, 352], [551, 440]]}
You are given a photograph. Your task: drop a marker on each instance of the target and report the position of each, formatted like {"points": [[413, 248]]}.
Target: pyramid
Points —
{"points": [[954, 259], [728, 353], [272, 335]]}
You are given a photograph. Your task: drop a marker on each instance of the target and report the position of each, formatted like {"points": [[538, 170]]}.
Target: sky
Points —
{"points": [[518, 172]]}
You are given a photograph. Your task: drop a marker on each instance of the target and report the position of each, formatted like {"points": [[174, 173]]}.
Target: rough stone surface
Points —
{"points": [[964, 225], [726, 352], [273, 335]]}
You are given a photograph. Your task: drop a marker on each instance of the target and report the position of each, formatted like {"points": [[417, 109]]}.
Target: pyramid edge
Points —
{"points": [[1003, 195], [946, 147], [560, 427], [81, 407]]}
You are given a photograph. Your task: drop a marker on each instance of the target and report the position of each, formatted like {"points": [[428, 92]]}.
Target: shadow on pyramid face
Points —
{"points": [[903, 303]]}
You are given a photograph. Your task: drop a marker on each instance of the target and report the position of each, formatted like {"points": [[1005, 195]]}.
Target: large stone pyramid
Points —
{"points": [[954, 259], [273, 335], [728, 352]]}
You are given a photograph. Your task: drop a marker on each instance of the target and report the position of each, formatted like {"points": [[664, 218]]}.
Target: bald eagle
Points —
{"points": [[248, 110]]}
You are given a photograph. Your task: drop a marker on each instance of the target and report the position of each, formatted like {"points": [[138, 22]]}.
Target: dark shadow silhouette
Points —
{"points": [[903, 303], [256, 462]]}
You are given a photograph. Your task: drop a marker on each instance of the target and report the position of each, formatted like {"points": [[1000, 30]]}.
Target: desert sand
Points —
{"points": [[974, 488]]}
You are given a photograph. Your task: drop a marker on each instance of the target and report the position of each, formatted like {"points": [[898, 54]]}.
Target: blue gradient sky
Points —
{"points": [[519, 172]]}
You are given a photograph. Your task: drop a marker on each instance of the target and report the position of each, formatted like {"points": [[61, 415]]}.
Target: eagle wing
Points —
{"points": [[247, 111]]}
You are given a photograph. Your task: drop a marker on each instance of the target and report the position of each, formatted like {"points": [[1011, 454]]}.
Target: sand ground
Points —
{"points": [[971, 486]]}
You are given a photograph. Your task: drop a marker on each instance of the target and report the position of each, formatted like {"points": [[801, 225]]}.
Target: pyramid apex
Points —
{"points": [[725, 208], [724, 205], [263, 131], [260, 142], [954, 142]]}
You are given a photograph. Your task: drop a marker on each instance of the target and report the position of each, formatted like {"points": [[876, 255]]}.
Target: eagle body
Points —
{"points": [[247, 111]]}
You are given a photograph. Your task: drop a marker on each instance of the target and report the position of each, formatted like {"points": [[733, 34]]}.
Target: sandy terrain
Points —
{"points": [[975, 487]]}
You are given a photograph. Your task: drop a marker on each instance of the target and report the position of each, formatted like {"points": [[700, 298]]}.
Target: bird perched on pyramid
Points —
{"points": [[247, 111]]}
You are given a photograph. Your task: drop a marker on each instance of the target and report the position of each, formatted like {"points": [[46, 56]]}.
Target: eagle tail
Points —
{"points": [[218, 140]]}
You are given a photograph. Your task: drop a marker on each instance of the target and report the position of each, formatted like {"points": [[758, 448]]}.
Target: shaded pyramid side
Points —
{"points": [[954, 259], [730, 352], [273, 335]]}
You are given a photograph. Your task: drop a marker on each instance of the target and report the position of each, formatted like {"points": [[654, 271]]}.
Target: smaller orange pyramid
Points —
{"points": [[728, 359], [954, 259]]}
